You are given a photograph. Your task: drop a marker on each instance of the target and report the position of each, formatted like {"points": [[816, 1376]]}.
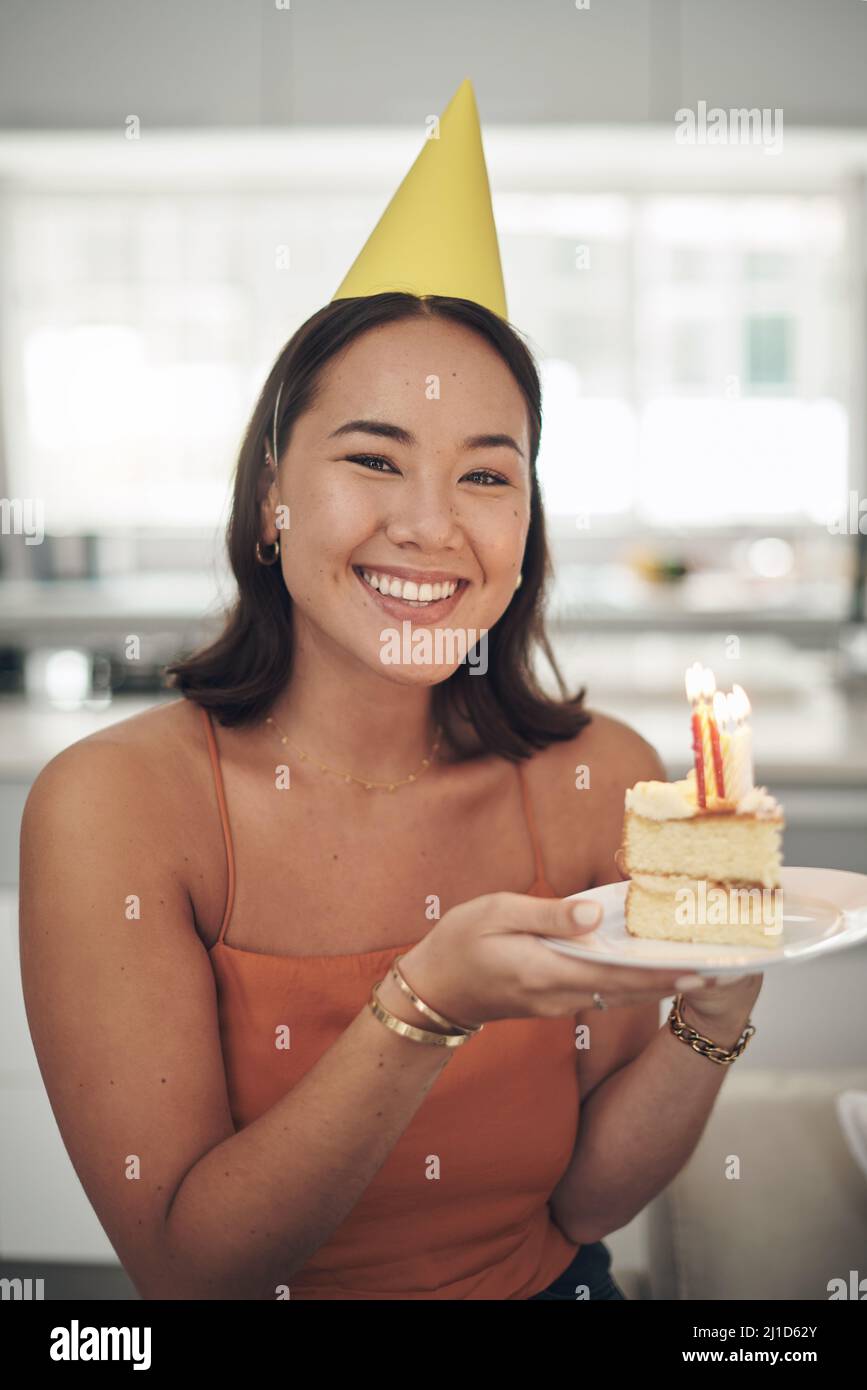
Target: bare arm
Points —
{"points": [[122, 1011], [639, 1128]]}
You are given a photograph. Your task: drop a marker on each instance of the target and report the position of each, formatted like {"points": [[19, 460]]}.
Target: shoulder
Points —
{"points": [[606, 753], [156, 735], [108, 817], [578, 787], [137, 764], [617, 753]]}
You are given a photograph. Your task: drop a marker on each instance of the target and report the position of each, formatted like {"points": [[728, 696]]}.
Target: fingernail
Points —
{"points": [[690, 982], [586, 914]]}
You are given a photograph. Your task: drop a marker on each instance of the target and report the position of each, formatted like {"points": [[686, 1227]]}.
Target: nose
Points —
{"points": [[425, 512]]}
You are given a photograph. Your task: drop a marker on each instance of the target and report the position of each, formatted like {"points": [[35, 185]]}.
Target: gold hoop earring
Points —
{"points": [[275, 553]]}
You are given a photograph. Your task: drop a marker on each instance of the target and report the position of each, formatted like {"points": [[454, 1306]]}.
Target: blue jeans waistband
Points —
{"points": [[590, 1270]]}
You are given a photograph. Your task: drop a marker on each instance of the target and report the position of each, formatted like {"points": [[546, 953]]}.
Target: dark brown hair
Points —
{"points": [[241, 674]]}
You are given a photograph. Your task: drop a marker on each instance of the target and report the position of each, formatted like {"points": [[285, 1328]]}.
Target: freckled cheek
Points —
{"points": [[500, 549], [328, 524]]}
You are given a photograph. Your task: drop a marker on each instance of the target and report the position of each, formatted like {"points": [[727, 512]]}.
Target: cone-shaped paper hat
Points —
{"points": [[437, 235]]}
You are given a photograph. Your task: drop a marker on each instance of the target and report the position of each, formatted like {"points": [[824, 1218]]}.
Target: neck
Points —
{"points": [[353, 719]]}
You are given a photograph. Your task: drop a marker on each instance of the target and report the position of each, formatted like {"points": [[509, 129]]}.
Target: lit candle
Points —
{"points": [[693, 694], [741, 742], [721, 716], [709, 692]]}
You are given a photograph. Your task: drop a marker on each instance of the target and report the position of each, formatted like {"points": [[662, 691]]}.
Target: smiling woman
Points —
{"points": [[304, 1048], [385, 839]]}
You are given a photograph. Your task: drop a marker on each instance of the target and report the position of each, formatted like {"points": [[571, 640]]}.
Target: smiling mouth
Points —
{"points": [[449, 593]]}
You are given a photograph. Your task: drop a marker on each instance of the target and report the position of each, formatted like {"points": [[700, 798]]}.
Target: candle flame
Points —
{"points": [[694, 682], [721, 710], [708, 683], [739, 705]]}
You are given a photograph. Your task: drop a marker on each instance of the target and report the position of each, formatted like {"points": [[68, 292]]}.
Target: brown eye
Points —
{"points": [[489, 477], [364, 459]]}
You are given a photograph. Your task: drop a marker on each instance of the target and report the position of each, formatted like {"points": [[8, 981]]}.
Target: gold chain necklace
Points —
{"points": [[348, 776]]}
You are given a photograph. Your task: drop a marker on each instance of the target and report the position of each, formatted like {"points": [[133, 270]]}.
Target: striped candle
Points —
{"points": [[721, 717], [693, 680], [709, 692], [741, 741]]}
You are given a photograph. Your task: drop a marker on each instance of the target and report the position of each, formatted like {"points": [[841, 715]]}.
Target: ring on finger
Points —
{"points": [[599, 1001]]}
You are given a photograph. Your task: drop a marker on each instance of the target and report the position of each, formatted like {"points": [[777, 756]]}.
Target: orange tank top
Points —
{"points": [[501, 1119]]}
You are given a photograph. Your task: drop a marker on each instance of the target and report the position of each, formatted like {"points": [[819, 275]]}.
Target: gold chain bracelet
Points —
{"points": [[699, 1043]]}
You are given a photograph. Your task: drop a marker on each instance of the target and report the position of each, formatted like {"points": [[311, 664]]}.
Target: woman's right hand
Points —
{"points": [[483, 961]]}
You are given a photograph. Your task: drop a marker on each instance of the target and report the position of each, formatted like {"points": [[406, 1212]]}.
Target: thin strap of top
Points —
{"points": [[540, 879], [224, 817]]}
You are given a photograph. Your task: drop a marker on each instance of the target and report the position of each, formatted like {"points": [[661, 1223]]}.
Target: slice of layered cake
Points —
{"points": [[704, 854], [702, 875]]}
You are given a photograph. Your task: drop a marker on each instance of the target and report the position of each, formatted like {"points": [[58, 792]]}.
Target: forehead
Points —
{"points": [[389, 369]]}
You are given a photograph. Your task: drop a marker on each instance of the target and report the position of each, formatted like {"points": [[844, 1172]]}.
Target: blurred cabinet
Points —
{"points": [[826, 827]]}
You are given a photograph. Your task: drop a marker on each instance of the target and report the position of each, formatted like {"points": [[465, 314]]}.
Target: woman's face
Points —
{"points": [[434, 491]]}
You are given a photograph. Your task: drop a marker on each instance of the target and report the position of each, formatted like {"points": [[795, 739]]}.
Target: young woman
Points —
{"points": [[213, 890]]}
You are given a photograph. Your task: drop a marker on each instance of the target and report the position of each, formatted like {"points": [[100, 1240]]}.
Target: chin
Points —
{"points": [[402, 673]]}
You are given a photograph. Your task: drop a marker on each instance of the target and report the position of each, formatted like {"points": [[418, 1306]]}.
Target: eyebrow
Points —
{"points": [[386, 431]]}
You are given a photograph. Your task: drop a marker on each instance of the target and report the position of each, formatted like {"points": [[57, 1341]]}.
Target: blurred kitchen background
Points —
{"points": [[181, 185]]}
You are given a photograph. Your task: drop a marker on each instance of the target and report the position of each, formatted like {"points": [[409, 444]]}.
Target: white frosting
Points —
{"points": [[759, 802], [661, 800], [678, 800]]}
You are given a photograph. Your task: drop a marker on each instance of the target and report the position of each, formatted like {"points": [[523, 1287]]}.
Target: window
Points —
{"points": [[689, 343], [140, 329], [693, 373]]}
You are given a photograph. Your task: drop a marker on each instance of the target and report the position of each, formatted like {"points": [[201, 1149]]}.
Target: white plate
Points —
{"points": [[823, 910]]}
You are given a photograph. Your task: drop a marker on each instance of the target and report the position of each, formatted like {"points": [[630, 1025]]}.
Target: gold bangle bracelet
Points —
{"points": [[426, 1009], [407, 1030], [723, 1056]]}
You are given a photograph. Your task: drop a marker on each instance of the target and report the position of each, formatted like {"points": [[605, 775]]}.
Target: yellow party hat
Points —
{"points": [[437, 235]]}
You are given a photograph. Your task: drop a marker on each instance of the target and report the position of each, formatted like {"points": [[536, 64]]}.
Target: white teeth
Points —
{"points": [[408, 589]]}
